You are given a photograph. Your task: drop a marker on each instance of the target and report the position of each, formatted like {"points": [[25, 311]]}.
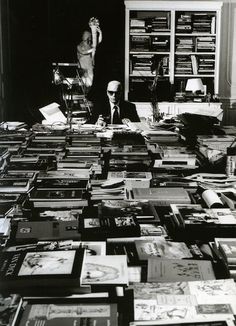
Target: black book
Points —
{"points": [[33, 272], [143, 211], [52, 214], [27, 166], [58, 198], [16, 185], [108, 227], [61, 184], [34, 231], [6, 208], [201, 223]]}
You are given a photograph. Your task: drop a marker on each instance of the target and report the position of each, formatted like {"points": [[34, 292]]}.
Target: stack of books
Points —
{"points": [[203, 23], [184, 23], [130, 246], [227, 249], [137, 25]]}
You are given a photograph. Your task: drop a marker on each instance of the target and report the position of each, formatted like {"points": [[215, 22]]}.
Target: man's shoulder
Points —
{"points": [[128, 104]]}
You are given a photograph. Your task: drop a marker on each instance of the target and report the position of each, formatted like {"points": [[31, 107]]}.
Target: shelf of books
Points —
{"points": [[170, 42]]}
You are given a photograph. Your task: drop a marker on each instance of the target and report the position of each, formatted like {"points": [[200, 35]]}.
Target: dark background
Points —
{"points": [[40, 32]]}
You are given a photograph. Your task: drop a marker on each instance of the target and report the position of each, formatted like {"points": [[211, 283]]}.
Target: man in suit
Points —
{"points": [[115, 110]]}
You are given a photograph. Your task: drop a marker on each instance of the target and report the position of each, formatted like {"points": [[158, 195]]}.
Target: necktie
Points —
{"points": [[116, 117]]}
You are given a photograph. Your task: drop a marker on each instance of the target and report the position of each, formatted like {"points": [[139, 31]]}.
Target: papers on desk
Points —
{"points": [[209, 111], [12, 125], [52, 113]]}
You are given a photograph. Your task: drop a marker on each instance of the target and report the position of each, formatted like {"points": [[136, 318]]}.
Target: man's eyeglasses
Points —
{"points": [[112, 92]]}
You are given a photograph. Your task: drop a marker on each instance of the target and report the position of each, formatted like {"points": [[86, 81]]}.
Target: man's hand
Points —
{"points": [[100, 121]]}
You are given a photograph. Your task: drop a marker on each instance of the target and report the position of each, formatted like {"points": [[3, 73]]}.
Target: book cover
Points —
{"points": [[161, 196], [162, 248], [93, 228], [224, 288], [69, 314], [34, 271], [205, 321], [152, 229], [117, 246], [134, 175], [49, 214], [81, 174], [184, 300], [173, 270], [105, 270]]}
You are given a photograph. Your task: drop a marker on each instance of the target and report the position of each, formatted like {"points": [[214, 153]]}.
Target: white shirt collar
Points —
{"points": [[112, 105]]}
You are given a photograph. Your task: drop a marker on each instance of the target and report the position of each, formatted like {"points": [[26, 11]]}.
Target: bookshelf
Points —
{"points": [[183, 35]]}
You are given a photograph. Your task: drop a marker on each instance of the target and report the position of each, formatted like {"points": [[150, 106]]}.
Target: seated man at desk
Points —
{"points": [[115, 110]]}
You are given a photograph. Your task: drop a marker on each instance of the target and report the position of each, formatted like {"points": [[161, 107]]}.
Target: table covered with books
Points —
{"points": [[128, 225]]}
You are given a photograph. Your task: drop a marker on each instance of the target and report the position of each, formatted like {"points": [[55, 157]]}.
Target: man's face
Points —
{"points": [[114, 92], [87, 37]]}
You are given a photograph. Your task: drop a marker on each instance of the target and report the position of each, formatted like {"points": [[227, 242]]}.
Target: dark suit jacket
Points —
{"points": [[127, 110]]}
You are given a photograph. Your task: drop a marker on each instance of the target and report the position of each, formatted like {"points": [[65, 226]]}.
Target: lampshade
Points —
{"points": [[194, 84]]}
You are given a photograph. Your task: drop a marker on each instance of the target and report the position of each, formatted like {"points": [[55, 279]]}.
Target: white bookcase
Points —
{"points": [[184, 35]]}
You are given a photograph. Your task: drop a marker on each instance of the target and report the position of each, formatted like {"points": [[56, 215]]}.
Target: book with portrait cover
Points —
{"points": [[34, 272], [69, 313], [173, 270]]}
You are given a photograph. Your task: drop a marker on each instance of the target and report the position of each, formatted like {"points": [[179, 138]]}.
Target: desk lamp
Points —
{"points": [[194, 85]]}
